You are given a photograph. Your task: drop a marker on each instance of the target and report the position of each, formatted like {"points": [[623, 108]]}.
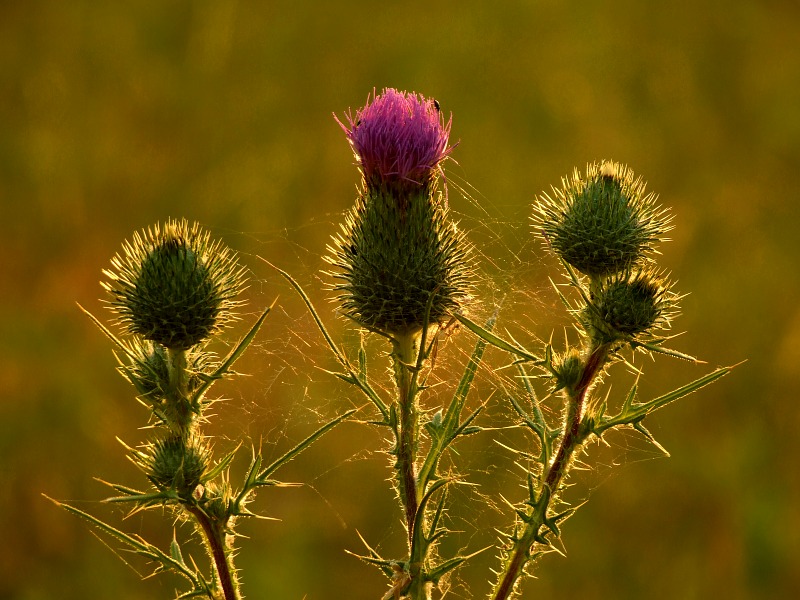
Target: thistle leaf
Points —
{"points": [[141, 547], [435, 574], [494, 340], [302, 446]]}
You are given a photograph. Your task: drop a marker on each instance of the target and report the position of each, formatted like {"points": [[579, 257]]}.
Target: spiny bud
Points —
{"points": [[629, 306], [173, 286], [400, 262], [567, 369], [602, 224], [175, 463], [148, 369]]}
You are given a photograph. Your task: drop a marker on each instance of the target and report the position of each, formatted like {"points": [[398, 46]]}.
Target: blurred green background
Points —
{"points": [[114, 116]]}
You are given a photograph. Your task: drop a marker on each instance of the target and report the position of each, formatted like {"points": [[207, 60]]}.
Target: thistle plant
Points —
{"points": [[403, 271], [173, 290], [603, 227]]}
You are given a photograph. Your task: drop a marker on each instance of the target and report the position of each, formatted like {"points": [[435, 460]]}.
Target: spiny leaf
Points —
{"points": [[233, 356], [302, 446], [450, 422], [387, 566], [141, 547], [633, 413], [432, 534], [107, 332], [435, 574], [214, 472], [658, 349], [338, 354], [152, 499], [419, 543], [175, 550], [639, 426], [494, 340]]}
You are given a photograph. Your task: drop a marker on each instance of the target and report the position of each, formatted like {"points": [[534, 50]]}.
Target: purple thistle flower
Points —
{"points": [[399, 138]]}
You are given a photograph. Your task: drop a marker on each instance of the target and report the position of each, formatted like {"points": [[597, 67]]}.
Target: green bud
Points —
{"points": [[603, 224], [629, 306], [148, 370], [401, 263], [217, 503], [175, 463], [174, 286], [567, 369]]}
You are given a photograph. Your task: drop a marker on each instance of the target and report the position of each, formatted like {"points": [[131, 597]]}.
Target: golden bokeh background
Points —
{"points": [[115, 116]]}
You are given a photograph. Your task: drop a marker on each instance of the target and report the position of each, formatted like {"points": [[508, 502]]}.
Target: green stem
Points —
{"points": [[180, 410], [404, 355], [559, 467], [214, 533], [419, 589], [575, 407]]}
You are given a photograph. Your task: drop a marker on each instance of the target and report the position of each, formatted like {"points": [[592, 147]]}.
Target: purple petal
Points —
{"points": [[398, 137]]}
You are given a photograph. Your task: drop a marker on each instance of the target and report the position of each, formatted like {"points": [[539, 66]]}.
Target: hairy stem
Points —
{"points": [[177, 395], [559, 467], [215, 539], [575, 406], [404, 355]]}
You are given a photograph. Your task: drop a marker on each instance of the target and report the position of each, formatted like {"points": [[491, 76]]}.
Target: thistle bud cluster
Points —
{"points": [[172, 290], [605, 226]]}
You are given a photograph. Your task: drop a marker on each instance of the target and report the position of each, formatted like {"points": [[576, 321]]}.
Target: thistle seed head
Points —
{"points": [[173, 286], [603, 223]]}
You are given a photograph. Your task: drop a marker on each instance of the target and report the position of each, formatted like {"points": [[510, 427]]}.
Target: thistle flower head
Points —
{"points": [[603, 223], [629, 306], [399, 139], [173, 286], [401, 264]]}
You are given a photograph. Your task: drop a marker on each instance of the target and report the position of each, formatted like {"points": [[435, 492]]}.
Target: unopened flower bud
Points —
{"points": [[602, 224], [148, 369], [567, 369], [629, 306], [174, 286], [176, 464]]}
